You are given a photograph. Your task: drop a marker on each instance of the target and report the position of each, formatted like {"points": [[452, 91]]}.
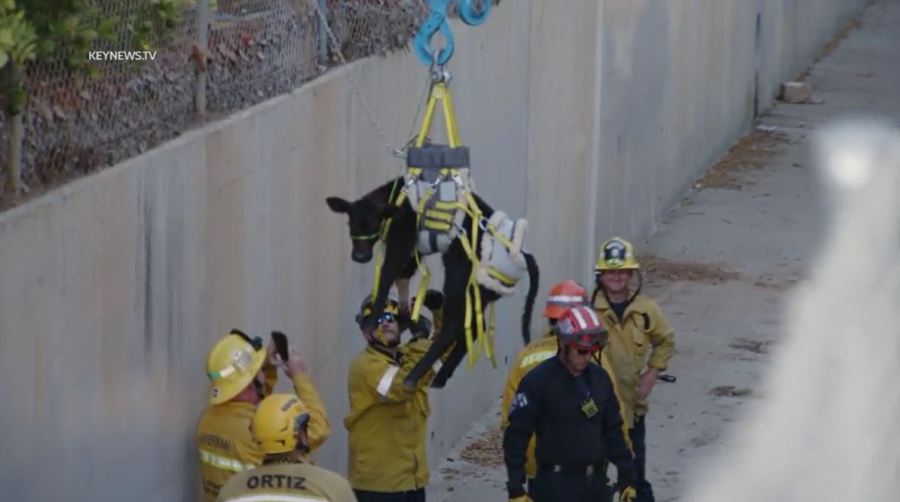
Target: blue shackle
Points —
{"points": [[437, 21]]}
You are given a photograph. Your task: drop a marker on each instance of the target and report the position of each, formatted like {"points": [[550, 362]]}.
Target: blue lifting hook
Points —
{"points": [[437, 21]]}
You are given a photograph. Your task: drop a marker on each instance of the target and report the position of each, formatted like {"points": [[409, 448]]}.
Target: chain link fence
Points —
{"points": [[75, 123], [257, 49]]}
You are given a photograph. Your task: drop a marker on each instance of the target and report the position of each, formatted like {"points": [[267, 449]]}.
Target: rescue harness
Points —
{"points": [[439, 187]]}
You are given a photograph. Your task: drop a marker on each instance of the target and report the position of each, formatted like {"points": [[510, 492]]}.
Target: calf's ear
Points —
{"points": [[338, 205]]}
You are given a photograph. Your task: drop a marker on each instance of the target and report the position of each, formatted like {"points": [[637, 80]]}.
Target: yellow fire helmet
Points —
{"points": [[365, 309], [616, 254], [232, 364], [277, 421]]}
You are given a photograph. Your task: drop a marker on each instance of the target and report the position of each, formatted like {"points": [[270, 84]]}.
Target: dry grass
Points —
{"points": [[730, 391], [486, 450], [750, 152], [830, 47], [755, 346], [450, 473], [768, 281], [837, 39], [659, 269]]}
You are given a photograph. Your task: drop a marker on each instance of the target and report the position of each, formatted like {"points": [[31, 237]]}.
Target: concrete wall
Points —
{"points": [[587, 120]]}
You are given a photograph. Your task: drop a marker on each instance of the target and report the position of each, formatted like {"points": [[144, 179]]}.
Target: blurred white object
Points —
{"points": [[829, 429]]}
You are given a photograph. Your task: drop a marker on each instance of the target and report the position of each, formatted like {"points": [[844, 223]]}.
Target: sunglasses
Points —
{"points": [[386, 317]]}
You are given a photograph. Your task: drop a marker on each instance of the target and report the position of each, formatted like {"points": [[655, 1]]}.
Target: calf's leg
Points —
{"points": [[456, 277]]}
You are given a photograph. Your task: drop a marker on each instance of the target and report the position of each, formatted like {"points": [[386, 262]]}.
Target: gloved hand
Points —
{"points": [[523, 498], [627, 494], [420, 329]]}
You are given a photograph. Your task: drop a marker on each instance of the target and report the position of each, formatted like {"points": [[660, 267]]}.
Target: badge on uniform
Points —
{"points": [[518, 401], [589, 407]]}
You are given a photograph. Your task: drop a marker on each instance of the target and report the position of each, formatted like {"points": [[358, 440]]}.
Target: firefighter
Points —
{"points": [[387, 421], [562, 297], [280, 427], [242, 373], [641, 342], [570, 406]]}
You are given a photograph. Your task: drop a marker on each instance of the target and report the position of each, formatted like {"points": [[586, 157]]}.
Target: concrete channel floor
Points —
{"points": [[721, 265]]}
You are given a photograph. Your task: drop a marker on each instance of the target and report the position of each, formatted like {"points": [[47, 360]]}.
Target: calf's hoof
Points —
{"points": [[438, 383]]}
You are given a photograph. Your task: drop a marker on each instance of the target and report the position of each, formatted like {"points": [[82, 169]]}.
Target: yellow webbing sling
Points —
{"points": [[440, 218]]}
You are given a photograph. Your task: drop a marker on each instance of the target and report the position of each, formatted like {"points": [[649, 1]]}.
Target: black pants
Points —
{"points": [[410, 496], [554, 487], [639, 441]]}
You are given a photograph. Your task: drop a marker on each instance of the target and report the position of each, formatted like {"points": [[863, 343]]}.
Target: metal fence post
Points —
{"points": [[13, 169], [322, 34], [203, 46], [14, 164]]}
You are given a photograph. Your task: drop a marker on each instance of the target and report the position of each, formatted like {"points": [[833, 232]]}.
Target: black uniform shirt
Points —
{"points": [[549, 403]]}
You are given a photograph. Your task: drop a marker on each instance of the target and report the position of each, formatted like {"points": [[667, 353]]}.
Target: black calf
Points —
{"points": [[365, 218]]}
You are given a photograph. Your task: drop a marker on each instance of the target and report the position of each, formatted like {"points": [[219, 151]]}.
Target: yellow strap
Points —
{"points": [[449, 116], [489, 337], [474, 299], [376, 274], [400, 199], [468, 318], [437, 226], [471, 206], [500, 237], [503, 278], [420, 296], [379, 246], [440, 91], [429, 115], [468, 330], [479, 313], [476, 353], [423, 286], [423, 199], [437, 214], [446, 205], [423, 268]]}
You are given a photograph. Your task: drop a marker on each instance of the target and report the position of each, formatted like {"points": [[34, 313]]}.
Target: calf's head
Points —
{"points": [[365, 217]]}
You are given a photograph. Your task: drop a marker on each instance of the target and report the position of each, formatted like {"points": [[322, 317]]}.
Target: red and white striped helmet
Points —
{"points": [[581, 329], [563, 296]]}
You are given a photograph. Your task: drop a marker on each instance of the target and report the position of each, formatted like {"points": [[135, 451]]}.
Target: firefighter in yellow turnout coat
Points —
{"points": [[242, 372], [640, 344], [562, 297], [286, 475], [387, 422]]}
